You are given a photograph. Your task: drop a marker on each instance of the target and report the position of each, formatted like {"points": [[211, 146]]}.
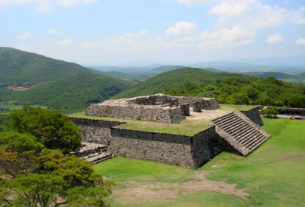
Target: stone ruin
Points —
{"points": [[158, 107]]}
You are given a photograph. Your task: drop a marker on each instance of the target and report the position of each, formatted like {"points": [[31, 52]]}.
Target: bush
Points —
{"points": [[270, 112]]}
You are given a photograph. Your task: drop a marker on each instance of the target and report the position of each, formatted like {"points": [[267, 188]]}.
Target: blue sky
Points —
{"points": [[124, 32]]}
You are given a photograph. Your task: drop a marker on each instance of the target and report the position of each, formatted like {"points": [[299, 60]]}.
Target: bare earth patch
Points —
{"points": [[21, 87], [151, 190]]}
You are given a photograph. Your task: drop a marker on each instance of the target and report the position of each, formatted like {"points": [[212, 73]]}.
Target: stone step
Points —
{"points": [[240, 132], [251, 139], [89, 148], [225, 118], [232, 124], [245, 133], [246, 136], [257, 144], [99, 158], [237, 129]]}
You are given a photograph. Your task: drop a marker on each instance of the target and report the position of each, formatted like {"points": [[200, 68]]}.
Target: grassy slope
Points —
{"points": [[17, 67], [73, 93], [174, 79], [273, 175]]}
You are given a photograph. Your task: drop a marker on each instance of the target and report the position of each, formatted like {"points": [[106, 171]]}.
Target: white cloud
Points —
{"points": [[300, 41], [232, 7], [180, 27], [195, 2], [299, 16], [136, 35], [90, 44], [45, 6], [25, 36], [236, 34], [65, 42], [52, 31], [67, 3], [274, 38], [249, 13]]}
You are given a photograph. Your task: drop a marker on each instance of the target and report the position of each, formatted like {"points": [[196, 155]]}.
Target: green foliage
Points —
{"points": [[244, 90], [51, 128], [175, 79], [72, 93], [129, 76], [17, 67], [299, 78], [57, 176], [39, 174], [269, 112], [18, 153]]}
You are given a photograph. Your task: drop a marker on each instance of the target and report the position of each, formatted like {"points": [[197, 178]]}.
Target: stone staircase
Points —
{"points": [[240, 132], [93, 152]]}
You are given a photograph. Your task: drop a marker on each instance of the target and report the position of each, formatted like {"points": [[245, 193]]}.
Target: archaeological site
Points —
{"points": [[223, 129]]}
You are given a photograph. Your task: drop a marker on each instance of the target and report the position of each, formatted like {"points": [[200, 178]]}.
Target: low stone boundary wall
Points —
{"points": [[291, 111]]}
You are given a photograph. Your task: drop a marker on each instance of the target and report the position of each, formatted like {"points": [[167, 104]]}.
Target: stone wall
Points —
{"points": [[205, 103], [189, 151], [254, 116], [182, 150], [206, 145], [139, 112], [159, 107], [95, 131], [161, 147], [291, 111]]}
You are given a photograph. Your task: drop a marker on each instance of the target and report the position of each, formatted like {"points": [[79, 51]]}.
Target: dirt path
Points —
{"points": [[132, 190]]}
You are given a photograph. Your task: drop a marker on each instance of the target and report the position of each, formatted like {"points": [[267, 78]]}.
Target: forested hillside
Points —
{"points": [[300, 78], [240, 90], [17, 67], [176, 78], [72, 93]]}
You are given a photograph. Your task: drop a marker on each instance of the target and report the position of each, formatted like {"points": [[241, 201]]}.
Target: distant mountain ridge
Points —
{"points": [[17, 67], [299, 78]]}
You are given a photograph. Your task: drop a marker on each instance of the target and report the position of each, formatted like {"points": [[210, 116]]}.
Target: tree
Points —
{"points": [[51, 128], [36, 172], [18, 153]]}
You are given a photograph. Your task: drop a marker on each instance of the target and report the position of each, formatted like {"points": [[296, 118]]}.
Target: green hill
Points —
{"points": [[174, 79], [300, 78], [129, 76], [17, 67], [72, 93], [165, 68]]}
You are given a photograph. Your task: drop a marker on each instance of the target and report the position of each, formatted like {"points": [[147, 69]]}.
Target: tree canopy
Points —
{"points": [[36, 168]]}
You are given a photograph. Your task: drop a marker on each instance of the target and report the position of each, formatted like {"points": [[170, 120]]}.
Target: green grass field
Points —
{"points": [[185, 127], [273, 175]]}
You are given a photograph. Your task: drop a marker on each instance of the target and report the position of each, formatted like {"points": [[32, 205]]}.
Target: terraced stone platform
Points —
{"points": [[240, 132]]}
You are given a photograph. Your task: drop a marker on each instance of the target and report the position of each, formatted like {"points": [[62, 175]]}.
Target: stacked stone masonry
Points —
{"points": [[189, 151], [159, 107]]}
